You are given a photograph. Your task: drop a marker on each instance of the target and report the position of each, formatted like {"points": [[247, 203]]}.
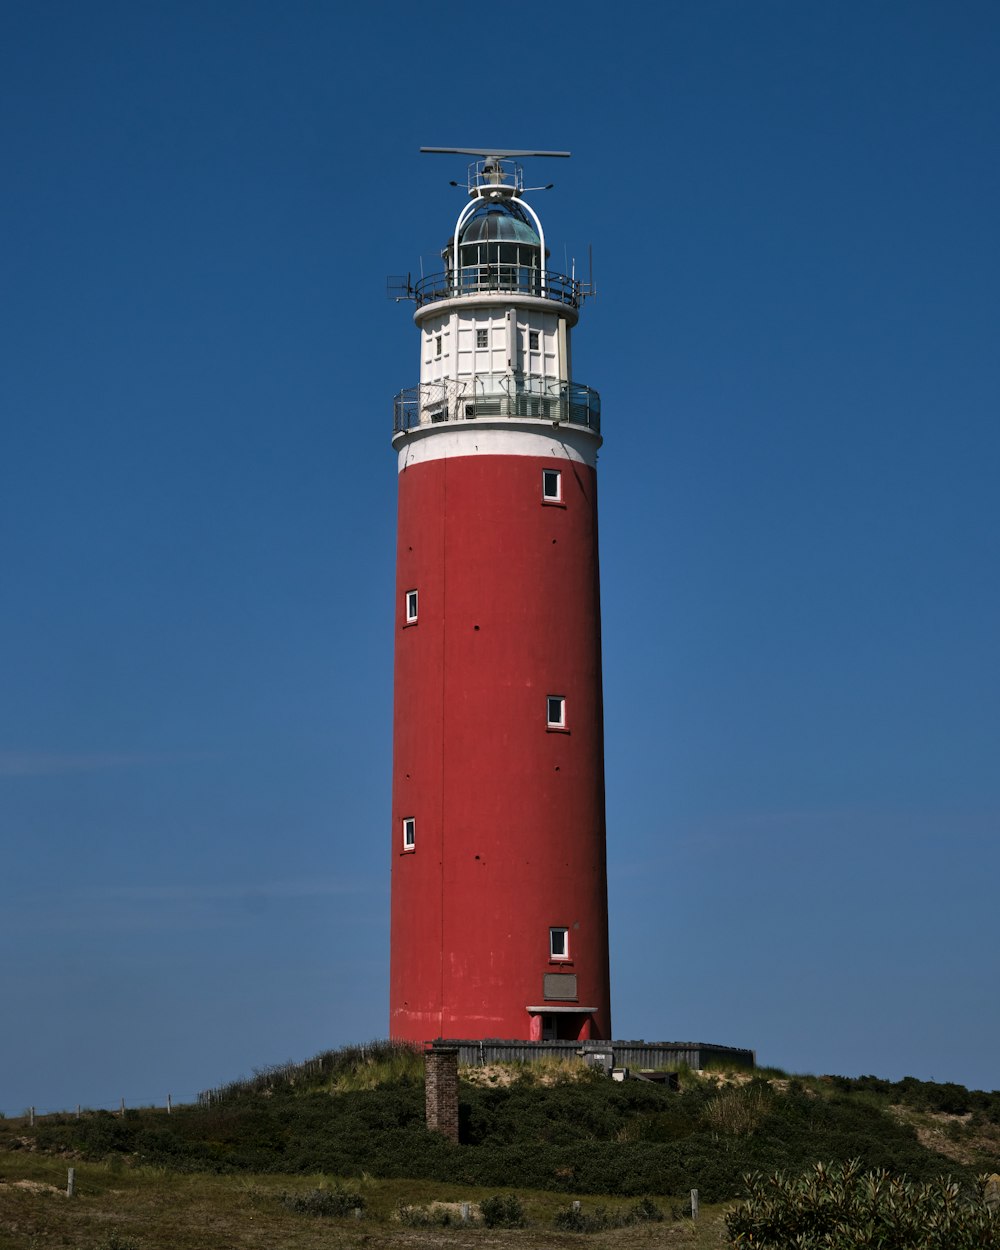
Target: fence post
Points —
{"points": [[694, 1204], [31, 1117], [465, 1212], [123, 1107], [70, 1182], [168, 1104], [78, 1111]]}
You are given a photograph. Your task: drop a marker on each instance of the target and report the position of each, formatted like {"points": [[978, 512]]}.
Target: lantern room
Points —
{"points": [[499, 248]]}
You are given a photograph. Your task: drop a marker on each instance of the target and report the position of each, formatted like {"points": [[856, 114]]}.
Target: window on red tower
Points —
{"points": [[556, 711], [411, 607], [409, 833], [559, 943], [551, 484]]}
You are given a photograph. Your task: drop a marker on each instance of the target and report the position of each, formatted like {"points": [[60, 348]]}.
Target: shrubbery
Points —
{"points": [[573, 1219], [947, 1097], [324, 1202], [582, 1136], [502, 1211], [841, 1207], [608, 1138]]}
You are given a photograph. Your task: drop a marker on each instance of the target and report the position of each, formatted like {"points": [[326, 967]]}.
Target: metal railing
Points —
{"points": [[493, 396], [510, 279]]}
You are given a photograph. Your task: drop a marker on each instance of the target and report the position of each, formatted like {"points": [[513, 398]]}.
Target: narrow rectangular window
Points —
{"points": [[409, 833], [551, 484], [533, 340], [556, 705], [559, 943], [437, 345], [411, 606], [482, 338]]}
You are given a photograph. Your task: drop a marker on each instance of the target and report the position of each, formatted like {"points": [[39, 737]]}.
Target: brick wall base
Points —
{"points": [[441, 1081]]}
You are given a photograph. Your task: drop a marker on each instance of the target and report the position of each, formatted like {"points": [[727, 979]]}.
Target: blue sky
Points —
{"points": [[793, 212]]}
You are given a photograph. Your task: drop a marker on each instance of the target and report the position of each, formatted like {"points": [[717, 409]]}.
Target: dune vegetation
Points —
{"points": [[339, 1143]]}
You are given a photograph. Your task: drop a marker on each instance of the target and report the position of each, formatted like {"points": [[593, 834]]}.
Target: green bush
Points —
{"points": [[324, 1202], [948, 1097], [605, 1138], [645, 1211], [573, 1219], [502, 1211], [840, 1207], [583, 1136]]}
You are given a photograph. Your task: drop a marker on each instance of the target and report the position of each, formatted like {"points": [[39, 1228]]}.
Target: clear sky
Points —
{"points": [[794, 214]]}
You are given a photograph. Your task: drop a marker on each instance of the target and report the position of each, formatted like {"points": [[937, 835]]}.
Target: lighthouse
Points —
{"points": [[498, 856]]}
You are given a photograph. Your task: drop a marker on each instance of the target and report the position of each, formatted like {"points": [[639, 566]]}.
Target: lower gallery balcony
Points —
{"points": [[515, 396]]}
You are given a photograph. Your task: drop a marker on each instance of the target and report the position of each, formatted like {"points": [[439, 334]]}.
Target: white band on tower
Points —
{"points": [[442, 442]]}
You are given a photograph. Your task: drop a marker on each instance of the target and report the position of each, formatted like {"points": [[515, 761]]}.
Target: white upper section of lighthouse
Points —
{"points": [[495, 324]]}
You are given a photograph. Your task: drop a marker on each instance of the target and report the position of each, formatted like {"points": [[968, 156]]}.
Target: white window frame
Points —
{"points": [[534, 341], [409, 833], [553, 953], [560, 700], [410, 603], [438, 344], [546, 475], [482, 337]]}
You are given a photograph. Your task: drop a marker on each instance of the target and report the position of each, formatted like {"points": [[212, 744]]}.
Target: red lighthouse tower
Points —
{"points": [[499, 883]]}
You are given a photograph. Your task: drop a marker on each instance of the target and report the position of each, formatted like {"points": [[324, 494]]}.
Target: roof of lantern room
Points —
{"points": [[501, 220]]}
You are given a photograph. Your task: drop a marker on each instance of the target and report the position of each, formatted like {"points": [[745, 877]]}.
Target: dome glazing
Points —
{"points": [[499, 221]]}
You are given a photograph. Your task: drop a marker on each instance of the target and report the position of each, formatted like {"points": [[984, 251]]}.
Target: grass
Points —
{"points": [[364, 1066], [155, 1209], [548, 1071], [376, 1069]]}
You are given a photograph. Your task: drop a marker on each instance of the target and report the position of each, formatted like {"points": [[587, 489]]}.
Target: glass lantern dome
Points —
{"points": [[499, 221], [499, 249]]}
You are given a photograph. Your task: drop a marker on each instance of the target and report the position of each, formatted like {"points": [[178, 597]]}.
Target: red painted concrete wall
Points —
{"points": [[510, 834]]}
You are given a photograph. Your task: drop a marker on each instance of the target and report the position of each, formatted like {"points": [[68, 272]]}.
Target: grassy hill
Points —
{"points": [[552, 1134]]}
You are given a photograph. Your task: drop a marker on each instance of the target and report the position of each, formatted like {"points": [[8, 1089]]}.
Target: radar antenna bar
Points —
{"points": [[510, 154]]}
